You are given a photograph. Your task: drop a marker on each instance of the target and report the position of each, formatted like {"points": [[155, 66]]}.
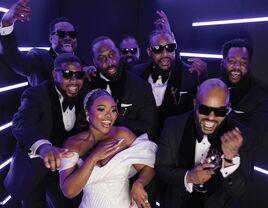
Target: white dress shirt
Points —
{"points": [[201, 150]]}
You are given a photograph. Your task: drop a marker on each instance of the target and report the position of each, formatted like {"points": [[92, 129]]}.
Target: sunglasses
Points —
{"points": [[171, 47], [129, 50], [206, 110], [62, 34], [66, 74]]}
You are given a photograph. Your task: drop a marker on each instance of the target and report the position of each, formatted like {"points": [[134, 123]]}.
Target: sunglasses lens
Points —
{"points": [[67, 74], [79, 74], [133, 50], [72, 34], [61, 34], [157, 48], [219, 112], [171, 47]]}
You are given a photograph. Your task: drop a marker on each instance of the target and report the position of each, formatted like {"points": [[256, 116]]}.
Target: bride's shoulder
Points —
{"points": [[75, 142], [126, 134]]}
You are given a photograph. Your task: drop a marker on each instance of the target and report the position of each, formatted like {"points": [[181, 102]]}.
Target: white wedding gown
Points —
{"points": [[108, 186]]}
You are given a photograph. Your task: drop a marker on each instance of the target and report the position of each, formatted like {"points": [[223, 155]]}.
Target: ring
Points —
{"points": [[146, 201], [22, 15]]}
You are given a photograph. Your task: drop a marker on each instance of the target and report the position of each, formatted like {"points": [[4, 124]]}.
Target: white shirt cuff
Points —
{"points": [[6, 30], [188, 186], [35, 146], [229, 170]]}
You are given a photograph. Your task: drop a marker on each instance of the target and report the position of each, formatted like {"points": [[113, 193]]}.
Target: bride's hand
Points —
{"points": [[106, 149], [139, 195]]}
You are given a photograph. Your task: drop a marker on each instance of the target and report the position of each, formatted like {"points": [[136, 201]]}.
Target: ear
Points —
{"points": [[195, 103], [50, 38], [149, 52], [54, 74]]}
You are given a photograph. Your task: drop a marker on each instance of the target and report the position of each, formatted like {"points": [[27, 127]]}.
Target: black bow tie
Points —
{"points": [[67, 103], [164, 75]]}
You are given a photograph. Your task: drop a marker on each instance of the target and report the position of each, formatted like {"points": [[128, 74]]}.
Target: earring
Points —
{"points": [[87, 118]]}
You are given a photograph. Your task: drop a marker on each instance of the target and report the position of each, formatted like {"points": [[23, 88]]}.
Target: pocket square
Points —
{"points": [[236, 111], [183, 92], [125, 105]]}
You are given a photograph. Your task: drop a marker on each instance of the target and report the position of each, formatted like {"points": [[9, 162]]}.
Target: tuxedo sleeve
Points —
{"points": [[21, 62], [28, 122], [167, 155], [236, 183]]}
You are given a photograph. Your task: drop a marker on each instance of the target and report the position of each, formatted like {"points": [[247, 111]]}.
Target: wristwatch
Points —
{"points": [[235, 160]]}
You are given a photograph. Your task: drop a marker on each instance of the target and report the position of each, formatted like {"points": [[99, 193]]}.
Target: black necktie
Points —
{"points": [[67, 103], [164, 75]]}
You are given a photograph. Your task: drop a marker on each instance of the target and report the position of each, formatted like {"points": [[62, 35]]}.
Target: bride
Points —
{"points": [[104, 157]]}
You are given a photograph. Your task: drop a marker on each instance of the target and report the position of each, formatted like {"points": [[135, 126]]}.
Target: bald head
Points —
{"points": [[213, 89]]}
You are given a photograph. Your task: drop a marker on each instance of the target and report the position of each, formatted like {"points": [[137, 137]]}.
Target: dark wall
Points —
{"points": [[118, 18]]}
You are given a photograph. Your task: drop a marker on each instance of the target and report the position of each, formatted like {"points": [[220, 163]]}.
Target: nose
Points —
{"points": [[237, 64], [165, 52], [211, 116]]}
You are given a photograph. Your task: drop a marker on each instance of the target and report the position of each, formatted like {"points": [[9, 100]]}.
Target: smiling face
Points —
{"points": [[102, 114], [65, 44], [236, 64], [70, 86], [106, 58], [163, 59], [214, 98]]}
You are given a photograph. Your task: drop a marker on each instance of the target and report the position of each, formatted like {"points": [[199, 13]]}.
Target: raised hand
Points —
{"points": [[18, 11], [231, 141], [51, 155], [105, 150], [90, 71], [198, 66], [162, 22]]}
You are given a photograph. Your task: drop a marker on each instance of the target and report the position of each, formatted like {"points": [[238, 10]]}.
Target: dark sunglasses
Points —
{"points": [[206, 110], [129, 50], [171, 47], [62, 34], [66, 74]]}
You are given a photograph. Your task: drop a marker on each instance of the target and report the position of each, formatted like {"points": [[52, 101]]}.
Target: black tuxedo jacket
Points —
{"points": [[180, 91], [36, 65], [252, 109], [138, 110], [168, 169], [39, 117]]}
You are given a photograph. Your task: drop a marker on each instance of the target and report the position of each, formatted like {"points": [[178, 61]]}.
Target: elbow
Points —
{"points": [[69, 192]]}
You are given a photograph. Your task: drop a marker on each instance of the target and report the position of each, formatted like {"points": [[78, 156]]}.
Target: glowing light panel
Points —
{"points": [[5, 126], [2, 9], [11, 87], [5, 200], [4, 164], [201, 55], [232, 21], [261, 170], [29, 48]]}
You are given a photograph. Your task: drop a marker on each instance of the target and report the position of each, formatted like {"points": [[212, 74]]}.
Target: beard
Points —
{"points": [[115, 77], [244, 78]]}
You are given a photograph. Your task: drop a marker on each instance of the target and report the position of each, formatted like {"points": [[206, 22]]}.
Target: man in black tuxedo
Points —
{"points": [[49, 113], [135, 101], [36, 65], [184, 144], [248, 96], [173, 82]]}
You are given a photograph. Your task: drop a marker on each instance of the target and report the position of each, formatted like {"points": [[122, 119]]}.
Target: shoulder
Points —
{"points": [[126, 134], [39, 90], [76, 143], [139, 68], [174, 121], [134, 80]]}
